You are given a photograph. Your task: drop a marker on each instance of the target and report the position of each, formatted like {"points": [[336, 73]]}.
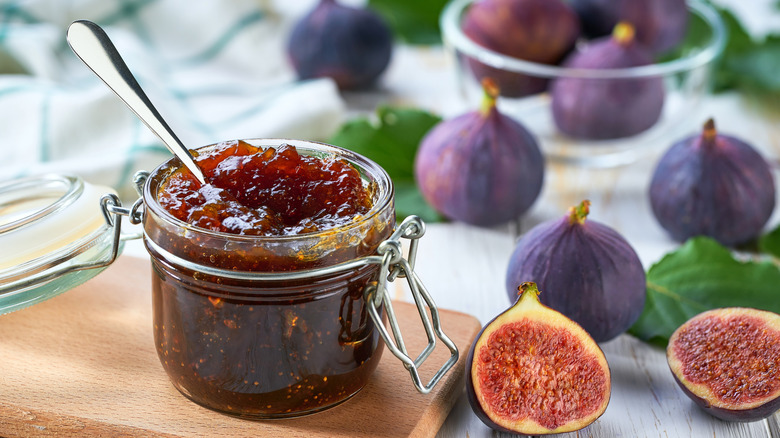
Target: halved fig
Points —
{"points": [[728, 361], [533, 371]]}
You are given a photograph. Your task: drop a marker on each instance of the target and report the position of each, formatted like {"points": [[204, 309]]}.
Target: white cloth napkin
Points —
{"points": [[216, 70]]}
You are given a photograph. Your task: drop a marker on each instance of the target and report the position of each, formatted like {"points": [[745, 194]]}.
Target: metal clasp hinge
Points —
{"points": [[112, 209], [394, 265]]}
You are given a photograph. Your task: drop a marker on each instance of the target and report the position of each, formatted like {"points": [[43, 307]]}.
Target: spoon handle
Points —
{"points": [[91, 44]]}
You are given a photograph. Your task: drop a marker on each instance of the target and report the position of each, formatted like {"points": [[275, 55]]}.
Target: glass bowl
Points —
{"points": [[685, 77]]}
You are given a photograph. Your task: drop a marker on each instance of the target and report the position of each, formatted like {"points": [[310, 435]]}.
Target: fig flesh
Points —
{"points": [[532, 371], [713, 185], [541, 31], [728, 361], [482, 168], [587, 270], [608, 108], [660, 24], [352, 46]]}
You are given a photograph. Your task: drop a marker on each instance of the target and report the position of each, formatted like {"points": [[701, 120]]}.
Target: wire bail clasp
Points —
{"points": [[112, 209], [394, 265]]}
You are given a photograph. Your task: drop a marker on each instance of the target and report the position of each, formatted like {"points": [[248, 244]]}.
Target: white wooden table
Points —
{"points": [[464, 267]]}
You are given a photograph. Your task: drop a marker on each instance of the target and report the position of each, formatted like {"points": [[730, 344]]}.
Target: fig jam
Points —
{"points": [[269, 192], [252, 346]]}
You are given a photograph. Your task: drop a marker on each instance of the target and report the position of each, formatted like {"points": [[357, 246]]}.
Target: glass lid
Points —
{"points": [[53, 235]]}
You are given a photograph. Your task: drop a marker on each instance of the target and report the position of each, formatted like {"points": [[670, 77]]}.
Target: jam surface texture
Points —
{"points": [[268, 192]]}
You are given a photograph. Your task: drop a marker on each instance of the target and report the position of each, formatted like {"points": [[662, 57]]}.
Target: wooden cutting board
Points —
{"points": [[84, 363]]}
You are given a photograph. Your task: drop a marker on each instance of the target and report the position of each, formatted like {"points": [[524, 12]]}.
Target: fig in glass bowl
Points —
{"points": [[660, 24], [601, 109], [541, 31]]}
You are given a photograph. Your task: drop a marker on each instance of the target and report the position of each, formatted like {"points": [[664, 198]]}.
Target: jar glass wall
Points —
{"points": [[263, 348]]}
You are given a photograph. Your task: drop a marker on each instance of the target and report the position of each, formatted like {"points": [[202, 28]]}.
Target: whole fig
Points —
{"points": [[540, 31], [588, 271], [532, 371], [482, 167], [712, 185], [728, 361], [608, 108], [660, 24], [351, 45]]}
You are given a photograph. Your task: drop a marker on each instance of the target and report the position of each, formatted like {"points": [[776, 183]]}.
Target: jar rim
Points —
{"points": [[360, 162]]}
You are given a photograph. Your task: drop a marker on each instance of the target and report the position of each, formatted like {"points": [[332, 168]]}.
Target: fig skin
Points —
{"points": [[541, 31], [713, 185], [739, 355], [482, 168], [603, 109], [660, 24], [529, 312], [350, 45], [588, 271]]}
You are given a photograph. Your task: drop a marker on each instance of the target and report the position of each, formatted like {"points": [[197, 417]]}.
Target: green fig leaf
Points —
{"points": [[770, 243], [412, 21], [702, 275], [747, 63], [391, 140]]}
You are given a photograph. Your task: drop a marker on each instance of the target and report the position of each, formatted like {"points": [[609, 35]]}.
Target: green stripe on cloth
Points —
{"points": [[13, 11], [233, 31], [183, 99], [45, 152], [127, 9], [129, 167], [18, 89]]}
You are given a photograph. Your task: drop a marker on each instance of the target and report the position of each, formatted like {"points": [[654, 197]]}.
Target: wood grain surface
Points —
{"points": [[84, 363]]}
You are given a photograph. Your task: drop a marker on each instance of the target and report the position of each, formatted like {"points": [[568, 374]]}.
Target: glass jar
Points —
{"points": [[260, 347]]}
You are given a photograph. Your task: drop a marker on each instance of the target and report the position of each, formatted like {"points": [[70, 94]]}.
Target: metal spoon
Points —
{"points": [[90, 43]]}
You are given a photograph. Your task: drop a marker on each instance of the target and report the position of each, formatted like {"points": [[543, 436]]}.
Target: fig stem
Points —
{"points": [[528, 288], [579, 213], [623, 33], [709, 133], [491, 91]]}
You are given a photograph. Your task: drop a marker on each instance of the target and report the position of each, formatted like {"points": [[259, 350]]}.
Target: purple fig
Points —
{"points": [[601, 109], [351, 45], [532, 371], [713, 185], [728, 362], [588, 271], [482, 167], [541, 31], [660, 24]]}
